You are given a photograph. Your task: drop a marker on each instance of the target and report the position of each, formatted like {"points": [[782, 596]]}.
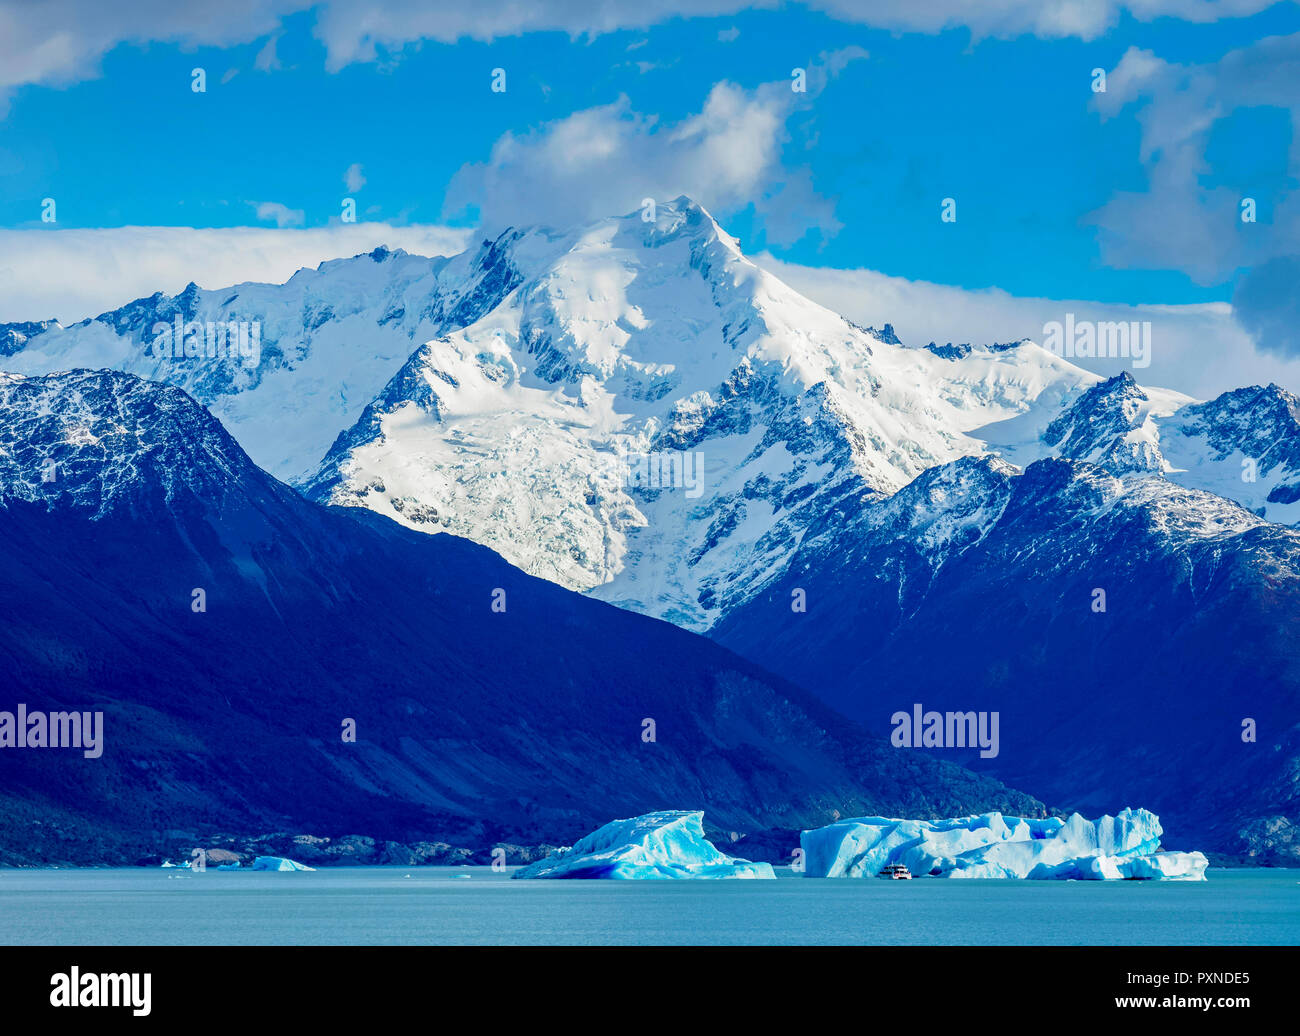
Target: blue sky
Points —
{"points": [[1126, 197]]}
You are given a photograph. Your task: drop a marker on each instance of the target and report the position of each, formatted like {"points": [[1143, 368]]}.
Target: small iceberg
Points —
{"points": [[1126, 845], [229, 866], [668, 844], [278, 863], [167, 863]]}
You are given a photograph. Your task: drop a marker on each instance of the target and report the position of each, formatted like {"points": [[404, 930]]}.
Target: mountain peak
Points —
{"points": [[1109, 425]]}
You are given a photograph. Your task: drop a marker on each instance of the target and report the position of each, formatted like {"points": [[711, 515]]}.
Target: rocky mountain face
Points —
{"points": [[232, 633]]}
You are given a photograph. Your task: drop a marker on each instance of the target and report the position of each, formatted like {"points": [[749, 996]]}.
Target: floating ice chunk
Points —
{"points": [[993, 846], [1164, 866], [278, 863], [668, 844]]}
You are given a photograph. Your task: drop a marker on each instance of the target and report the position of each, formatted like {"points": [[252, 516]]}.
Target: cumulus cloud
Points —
{"points": [[281, 214], [606, 159], [1180, 222], [1198, 349], [1187, 221], [74, 274], [353, 178]]}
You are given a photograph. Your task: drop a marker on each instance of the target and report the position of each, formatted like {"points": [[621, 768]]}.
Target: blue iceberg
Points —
{"points": [[994, 846], [668, 844], [278, 863]]}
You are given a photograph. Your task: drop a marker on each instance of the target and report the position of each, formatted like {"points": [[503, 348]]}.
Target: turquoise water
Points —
{"points": [[473, 905]]}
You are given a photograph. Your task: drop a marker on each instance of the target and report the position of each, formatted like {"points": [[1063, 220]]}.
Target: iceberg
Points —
{"points": [[278, 863], [667, 844], [1126, 845]]}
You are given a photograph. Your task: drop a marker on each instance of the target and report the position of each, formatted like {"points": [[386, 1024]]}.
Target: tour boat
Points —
{"points": [[896, 871]]}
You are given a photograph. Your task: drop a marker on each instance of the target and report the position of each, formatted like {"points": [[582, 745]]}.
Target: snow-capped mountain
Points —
{"points": [[14, 337], [650, 344], [122, 499], [526, 395], [103, 444], [635, 410], [314, 350], [1243, 446]]}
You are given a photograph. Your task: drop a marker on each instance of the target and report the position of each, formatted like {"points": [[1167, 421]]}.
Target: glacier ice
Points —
{"points": [[1126, 845], [278, 863], [667, 844]]}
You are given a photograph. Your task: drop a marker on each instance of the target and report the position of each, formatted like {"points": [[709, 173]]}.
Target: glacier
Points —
{"points": [[991, 845], [667, 844]]}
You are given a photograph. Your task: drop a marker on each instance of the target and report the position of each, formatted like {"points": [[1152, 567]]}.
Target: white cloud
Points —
{"points": [[1049, 19], [57, 42], [1186, 221], [73, 274], [267, 60], [1179, 222], [279, 212], [353, 178], [355, 30], [605, 160], [1197, 349]]}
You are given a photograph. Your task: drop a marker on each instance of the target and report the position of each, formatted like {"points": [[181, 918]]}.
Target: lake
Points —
{"points": [[476, 906]]}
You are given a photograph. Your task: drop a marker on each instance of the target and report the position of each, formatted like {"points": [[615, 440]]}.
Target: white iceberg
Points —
{"points": [[993, 846], [668, 844], [278, 863]]}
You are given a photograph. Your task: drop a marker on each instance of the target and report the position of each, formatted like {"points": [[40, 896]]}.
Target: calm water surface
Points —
{"points": [[473, 905]]}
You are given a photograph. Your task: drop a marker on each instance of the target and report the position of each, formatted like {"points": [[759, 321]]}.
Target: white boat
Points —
{"points": [[897, 872]]}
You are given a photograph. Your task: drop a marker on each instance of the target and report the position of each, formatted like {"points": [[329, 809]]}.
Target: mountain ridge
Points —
{"points": [[224, 710]]}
